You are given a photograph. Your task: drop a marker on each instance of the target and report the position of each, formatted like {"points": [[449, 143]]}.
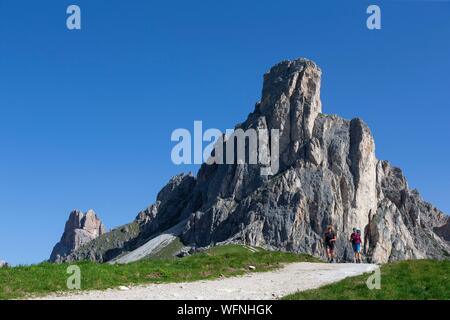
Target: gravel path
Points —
{"points": [[258, 286]]}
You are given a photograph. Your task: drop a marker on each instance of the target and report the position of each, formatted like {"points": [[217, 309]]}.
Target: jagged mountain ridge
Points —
{"points": [[328, 175]]}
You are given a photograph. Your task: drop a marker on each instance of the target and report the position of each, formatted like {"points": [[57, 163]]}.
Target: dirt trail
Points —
{"points": [[265, 285]]}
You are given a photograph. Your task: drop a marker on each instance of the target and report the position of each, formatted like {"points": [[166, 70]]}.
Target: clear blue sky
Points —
{"points": [[86, 116]]}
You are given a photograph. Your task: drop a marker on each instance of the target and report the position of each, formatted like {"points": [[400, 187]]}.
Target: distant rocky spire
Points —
{"points": [[80, 229]]}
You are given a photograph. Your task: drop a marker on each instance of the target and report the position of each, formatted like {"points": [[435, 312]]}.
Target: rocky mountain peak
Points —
{"points": [[328, 175], [80, 229], [288, 79], [290, 103]]}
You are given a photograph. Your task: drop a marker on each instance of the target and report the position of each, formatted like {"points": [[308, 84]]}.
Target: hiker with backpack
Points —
{"points": [[355, 239], [330, 241]]}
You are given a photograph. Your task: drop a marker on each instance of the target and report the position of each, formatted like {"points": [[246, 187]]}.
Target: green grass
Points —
{"points": [[41, 279], [406, 280]]}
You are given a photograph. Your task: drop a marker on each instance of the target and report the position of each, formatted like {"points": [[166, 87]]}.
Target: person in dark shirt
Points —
{"points": [[330, 241]]}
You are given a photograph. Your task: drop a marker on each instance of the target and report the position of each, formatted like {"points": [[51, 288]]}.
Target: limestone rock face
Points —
{"points": [[329, 175], [80, 229], [404, 226]]}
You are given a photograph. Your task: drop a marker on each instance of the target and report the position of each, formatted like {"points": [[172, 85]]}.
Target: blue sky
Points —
{"points": [[86, 116]]}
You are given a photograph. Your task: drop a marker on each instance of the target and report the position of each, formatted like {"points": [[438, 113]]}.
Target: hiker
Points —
{"points": [[330, 240], [355, 239]]}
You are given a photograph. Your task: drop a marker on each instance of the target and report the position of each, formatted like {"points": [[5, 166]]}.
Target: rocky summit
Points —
{"points": [[328, 175], [80, 229]]}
